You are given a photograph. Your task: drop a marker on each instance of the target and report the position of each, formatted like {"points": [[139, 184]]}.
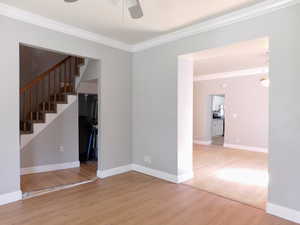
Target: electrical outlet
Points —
{"points": [[61, 148], [147, 159]]}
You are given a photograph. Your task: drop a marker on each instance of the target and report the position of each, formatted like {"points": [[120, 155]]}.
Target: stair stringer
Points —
{"points": [[82, 70], [25, 139]]}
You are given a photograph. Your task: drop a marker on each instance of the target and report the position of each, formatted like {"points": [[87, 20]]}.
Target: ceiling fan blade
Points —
{"points": [[116, 2], [135, 9]]}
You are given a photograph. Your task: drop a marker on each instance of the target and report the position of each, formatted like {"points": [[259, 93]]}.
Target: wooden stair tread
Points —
{"points": [[37, 121], [69, 93], [49, 111], [26, 132]]}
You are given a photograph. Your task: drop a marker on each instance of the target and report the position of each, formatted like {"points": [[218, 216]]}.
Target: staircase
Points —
{"points": [[46, 95]]}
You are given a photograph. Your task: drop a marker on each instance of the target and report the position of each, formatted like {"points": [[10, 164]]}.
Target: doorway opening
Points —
{"points": [[218, 120], [230, 120], [49, 126], [88, 124]]}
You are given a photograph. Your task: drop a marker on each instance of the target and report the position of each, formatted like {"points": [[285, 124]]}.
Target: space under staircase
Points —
{"points": [[48, 95]]}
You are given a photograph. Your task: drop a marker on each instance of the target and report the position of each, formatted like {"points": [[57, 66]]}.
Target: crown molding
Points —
{"points": [[238, 73], [31, 18], [250, 12], [253, 11]]}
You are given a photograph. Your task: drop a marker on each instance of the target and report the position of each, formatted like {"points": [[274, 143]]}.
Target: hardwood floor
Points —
{"points": [[235, 174], [217, 140], [133, 199], [40, 181]]}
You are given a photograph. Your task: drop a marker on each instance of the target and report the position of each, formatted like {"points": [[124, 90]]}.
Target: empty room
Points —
{"points": [[230, 121], [149, 112]]}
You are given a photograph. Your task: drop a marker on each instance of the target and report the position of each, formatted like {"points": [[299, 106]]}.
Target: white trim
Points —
{"points": [[185, 177], [10, 197], [31, 18], [283, 212], [247, 13], [51, 167], [250, 12], [246, 147], [145, 170], [198, 142], [155, 173], [237, 73], [113, 171], [163, 175]]}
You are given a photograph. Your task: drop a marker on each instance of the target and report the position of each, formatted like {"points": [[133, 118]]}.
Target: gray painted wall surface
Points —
{"points": [[115, 88], [154, 103], [88, 87], [91, 71], [246, 110], [44, 149]]}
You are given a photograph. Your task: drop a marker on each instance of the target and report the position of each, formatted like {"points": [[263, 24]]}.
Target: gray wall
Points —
{"points": [[88, 87], [246, 110], [91, 71], [154, 103], [115, 88], [44, 149]]}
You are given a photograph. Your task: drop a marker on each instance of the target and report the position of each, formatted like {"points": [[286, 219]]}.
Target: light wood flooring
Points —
{"points": [[235, 174], [40, 181], [217, 140], [133, 199]]}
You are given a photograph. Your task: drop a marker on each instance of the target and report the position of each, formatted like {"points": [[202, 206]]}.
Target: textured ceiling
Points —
{"points": [[106, 17]]}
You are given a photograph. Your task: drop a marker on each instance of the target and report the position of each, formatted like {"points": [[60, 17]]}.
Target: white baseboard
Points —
{"points": [[114, 171], [245, 147], [51, 167], [10, 197], [155, 173], [202, 142], [145, 170], [283, 212], [163, 175], [185, 177]]}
